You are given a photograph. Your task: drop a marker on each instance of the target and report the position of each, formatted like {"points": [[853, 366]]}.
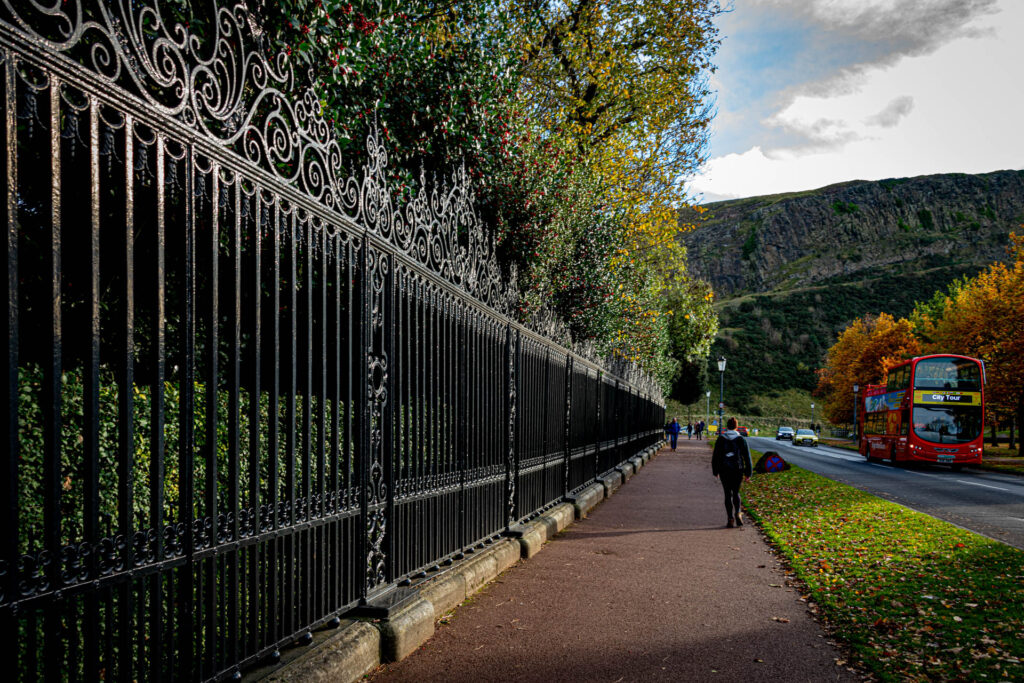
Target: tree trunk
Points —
{"points": [[1013, 441], [1020, 418], [994, 438]]}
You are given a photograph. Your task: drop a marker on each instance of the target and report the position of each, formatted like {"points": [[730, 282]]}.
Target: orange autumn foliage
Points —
{"points": [[983, 317], [862, 354]]}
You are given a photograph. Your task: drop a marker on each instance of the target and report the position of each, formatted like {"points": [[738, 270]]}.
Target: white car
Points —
{"points": [[784, 433]]}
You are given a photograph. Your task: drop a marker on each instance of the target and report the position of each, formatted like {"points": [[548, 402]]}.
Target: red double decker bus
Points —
{"points": [[932, 409]]}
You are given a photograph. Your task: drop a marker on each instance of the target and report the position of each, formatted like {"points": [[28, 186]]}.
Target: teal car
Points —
{"points": [[805, 437]]}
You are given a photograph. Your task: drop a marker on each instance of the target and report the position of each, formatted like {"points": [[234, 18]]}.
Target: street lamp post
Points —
{"points": [[721, 393], [707, 408], [856, 389], [812, 417]]}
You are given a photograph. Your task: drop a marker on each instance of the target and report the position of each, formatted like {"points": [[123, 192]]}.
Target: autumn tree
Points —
{"points": [[577, 122], [862, 355], [983, 317], [627, 83]]}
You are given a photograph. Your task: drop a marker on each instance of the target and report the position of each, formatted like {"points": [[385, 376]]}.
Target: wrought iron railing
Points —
{"points": [[246, 391]]}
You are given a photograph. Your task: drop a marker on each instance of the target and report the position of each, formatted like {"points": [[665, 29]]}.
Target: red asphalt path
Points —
{"points": [[651, 586]]}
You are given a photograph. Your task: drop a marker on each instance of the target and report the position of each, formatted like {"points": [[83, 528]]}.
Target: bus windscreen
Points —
{"points": [[947, 424]]}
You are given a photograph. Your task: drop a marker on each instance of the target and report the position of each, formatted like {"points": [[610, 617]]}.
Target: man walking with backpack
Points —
{"points": [[730, 461], [672, 430]]}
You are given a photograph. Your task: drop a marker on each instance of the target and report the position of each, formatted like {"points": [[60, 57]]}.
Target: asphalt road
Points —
{"points": [[987, 503]]}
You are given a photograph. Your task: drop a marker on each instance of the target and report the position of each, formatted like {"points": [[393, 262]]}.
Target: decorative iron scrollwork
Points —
{"points": [[376, 489], [511, 455]]}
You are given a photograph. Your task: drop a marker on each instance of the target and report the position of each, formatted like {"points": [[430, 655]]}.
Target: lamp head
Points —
{"points": [[721, 363], [856, 388]]}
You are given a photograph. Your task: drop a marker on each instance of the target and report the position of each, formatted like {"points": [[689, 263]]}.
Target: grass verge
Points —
{"points": [[839, 443], [1007, 466], [914, 598]]}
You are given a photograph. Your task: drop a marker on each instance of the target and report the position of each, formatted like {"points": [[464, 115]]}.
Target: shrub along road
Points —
{"points": [[987, 503], [651, 586]]}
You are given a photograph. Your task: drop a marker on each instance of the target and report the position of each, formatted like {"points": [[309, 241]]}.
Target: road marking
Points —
{"points": [[924, 474], [974, 483], [838, 456]]}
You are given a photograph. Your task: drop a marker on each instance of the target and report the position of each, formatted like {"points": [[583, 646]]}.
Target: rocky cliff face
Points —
{"points": [[782, 242]]}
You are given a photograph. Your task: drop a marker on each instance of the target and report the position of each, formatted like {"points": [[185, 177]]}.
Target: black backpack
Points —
{"points": [[731, 455]]}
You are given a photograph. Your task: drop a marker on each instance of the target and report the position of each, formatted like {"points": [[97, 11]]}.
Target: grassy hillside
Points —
{"points": [[790, 271]]}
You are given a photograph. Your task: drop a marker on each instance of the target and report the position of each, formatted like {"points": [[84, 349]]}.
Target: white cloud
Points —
{"points": [[955, 109], [893, 112]]}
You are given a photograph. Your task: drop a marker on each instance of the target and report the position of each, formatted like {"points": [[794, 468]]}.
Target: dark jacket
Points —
{"points": [[730, 440], [673, 428]]}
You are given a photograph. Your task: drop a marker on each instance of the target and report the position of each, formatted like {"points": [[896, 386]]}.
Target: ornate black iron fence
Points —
{"points": [[245, 391]]}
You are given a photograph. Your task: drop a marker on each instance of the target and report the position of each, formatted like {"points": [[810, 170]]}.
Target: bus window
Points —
{"points": [[905, 422], [948, 373]]}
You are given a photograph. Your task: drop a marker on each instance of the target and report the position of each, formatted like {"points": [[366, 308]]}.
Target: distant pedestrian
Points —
{"points": [[700, 429], [689, 430], [730, 462], [673, 430]]}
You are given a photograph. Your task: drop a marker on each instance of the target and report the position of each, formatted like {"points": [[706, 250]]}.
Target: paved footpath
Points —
{"points": [[651, 586]]}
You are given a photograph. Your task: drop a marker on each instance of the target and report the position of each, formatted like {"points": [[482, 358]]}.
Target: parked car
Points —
{"points": [[805, 437], [784, 433], [742, 431]]}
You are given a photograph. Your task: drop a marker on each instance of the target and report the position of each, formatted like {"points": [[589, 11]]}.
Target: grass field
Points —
{"points": [[912, 597]]}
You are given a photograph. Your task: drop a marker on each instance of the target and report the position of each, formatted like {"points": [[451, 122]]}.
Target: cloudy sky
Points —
{"points": [[813, 92]]}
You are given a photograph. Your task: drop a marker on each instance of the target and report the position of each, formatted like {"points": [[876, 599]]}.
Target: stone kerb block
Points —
{"points": [[406, 630], [611, 482], [585, 501], [531, 537], [343, 654], [563, 515], [445, 593]]}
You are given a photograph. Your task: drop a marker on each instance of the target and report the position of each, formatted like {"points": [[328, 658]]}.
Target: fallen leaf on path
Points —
{"points": [[781, 620]]}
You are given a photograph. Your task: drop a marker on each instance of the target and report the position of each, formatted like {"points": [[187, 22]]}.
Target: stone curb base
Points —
{"points": [[627, 471], [534, 534], [341, 654], [357, 647], [611, 482], [587, 499]]}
